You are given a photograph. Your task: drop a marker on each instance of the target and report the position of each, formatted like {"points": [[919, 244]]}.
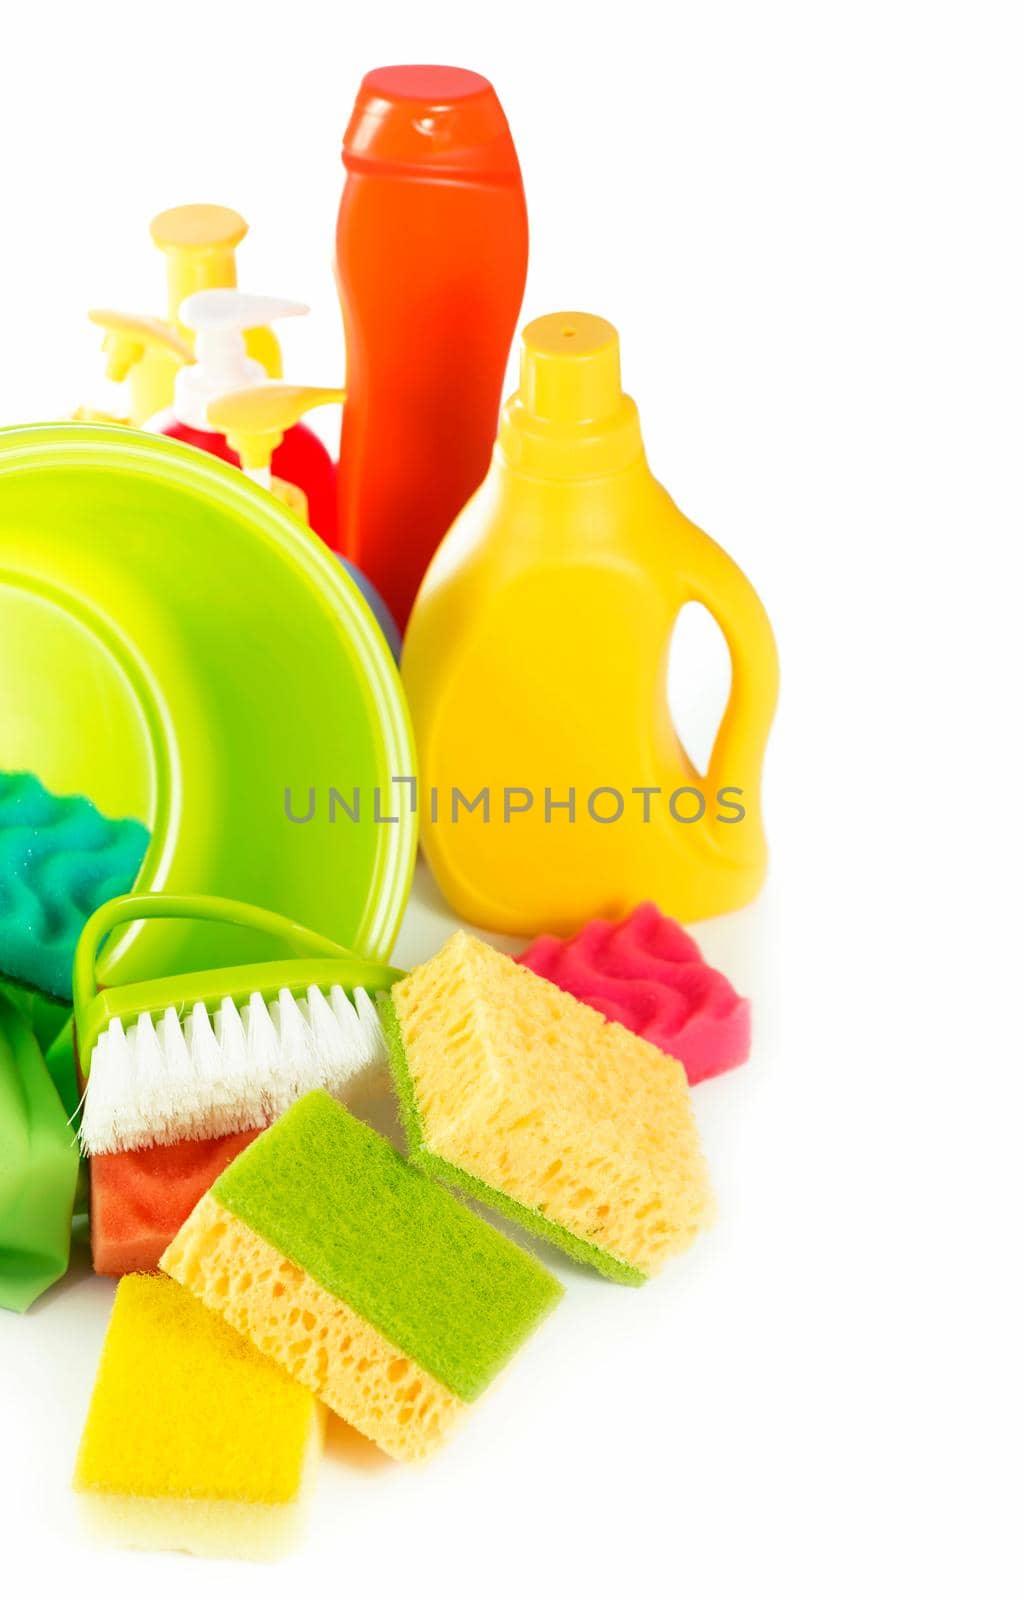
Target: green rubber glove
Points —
{"points": [[38, 1167], [52, 1022]]}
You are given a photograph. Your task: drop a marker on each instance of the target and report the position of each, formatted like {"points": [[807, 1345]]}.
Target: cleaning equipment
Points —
{"points": [[139, 1198], [432, 247], [128, 335], [199, 244], [46, 1016], [174, 646], [181, 1072], [254, 421], [128, 340], [576, 1129], [647, 974], [371, 1285], [38, 1167], [62, 1065], [60, 858], [219, 319], [52, 1023], [536, 671], [193, 1440]]}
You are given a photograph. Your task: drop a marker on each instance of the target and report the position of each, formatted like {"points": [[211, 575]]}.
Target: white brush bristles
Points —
{"points": [[203, 1075]]}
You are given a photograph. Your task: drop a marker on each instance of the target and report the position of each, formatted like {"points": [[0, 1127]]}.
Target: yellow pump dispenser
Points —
{"points": [[199, 244], [254, 420], [555, 787], [129, 339]]}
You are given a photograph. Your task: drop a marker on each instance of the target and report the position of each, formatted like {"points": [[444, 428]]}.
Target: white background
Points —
{"points": [[804, 219]]}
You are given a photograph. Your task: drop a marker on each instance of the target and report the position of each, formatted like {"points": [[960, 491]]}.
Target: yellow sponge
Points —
{"points": [[194, 1441], [522, 1096]]}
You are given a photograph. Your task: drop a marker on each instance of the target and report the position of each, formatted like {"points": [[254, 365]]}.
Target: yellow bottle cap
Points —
{"points": [[570, 415], [570, 368], [255, 419]]}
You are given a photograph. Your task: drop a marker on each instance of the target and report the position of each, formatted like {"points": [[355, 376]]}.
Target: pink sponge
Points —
{"points": [[646, 973]]}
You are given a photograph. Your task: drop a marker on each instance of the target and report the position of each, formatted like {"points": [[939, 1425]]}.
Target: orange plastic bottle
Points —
{"points": [[432, 247]]}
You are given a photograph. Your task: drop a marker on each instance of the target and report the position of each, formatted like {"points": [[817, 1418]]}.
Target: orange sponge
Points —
{"points": [[139, 1197]]}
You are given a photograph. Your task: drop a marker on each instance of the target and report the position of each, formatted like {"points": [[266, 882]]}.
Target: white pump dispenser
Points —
{"points": [[219, 318]]}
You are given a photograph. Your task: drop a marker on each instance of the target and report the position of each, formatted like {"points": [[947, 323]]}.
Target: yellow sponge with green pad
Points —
{"points": [[523, 1097], [193, 1441], [394, 1303]]}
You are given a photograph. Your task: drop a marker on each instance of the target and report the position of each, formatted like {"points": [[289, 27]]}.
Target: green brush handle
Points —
{"points": [[196, 908]]}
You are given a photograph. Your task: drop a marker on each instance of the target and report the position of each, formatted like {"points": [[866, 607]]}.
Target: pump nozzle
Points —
{"points": [[199, 243], [255, 420], [128, 337], [219, 319]]}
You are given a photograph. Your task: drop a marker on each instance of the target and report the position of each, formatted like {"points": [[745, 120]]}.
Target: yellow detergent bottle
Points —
{"points": [[199, 244], [555, 787]]}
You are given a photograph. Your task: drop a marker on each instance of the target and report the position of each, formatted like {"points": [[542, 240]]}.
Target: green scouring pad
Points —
{"points": [[60, 859], [368, 1282]]}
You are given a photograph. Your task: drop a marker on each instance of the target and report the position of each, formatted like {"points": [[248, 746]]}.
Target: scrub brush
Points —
{"points": [[181, 1072]]}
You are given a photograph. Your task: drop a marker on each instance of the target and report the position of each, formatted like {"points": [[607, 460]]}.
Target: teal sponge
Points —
{"points": [[60, 859]]}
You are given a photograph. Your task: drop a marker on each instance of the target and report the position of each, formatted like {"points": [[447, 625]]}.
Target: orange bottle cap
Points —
{"points": [[430, 117]]}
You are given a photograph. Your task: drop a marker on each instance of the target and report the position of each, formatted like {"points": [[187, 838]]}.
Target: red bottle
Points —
{"points": [[432, 247]]}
